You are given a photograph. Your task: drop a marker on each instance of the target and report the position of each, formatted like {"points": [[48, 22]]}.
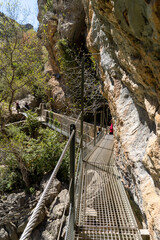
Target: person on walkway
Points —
{"points": [[26, 106], [17, 107], [111, 129], [99, 130]]}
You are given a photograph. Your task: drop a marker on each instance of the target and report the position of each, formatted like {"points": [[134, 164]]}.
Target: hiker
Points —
{"points": [[99, 130], [26, 106], [111, 128], [17, 107]]}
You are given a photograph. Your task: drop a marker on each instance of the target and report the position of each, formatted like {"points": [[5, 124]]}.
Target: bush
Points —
{"points": [[67, 54], [56, 123], [25, 159], [32, 124]]}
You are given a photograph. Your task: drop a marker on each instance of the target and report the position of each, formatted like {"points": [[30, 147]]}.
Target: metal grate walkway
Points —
{"points": [[103, 210]]}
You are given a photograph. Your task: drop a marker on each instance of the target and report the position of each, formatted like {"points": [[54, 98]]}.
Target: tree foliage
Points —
{"points": [[20, 59], [25, 159]]}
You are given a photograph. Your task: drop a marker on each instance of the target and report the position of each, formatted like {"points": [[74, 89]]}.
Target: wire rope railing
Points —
{"points": [[103, 210], [61, 123], [117, 222], [74, 184], [70, 234], [31, 223]]}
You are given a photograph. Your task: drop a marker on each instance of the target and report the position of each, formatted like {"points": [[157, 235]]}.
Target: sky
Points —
{"points": [[25, 13]]}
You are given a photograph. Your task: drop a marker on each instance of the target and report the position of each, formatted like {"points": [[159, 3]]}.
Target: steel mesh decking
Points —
{"points": [[103, 211]]}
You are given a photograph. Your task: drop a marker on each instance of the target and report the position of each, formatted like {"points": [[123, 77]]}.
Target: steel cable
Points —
{"points": [[41, 202]]}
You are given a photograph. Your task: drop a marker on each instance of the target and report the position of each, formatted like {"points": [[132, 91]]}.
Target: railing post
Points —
{"points": [[47, 116], [72, 178], [41, 109], [101, 118], [82, 106], [95, 130], [103, 115], [51, 117]]}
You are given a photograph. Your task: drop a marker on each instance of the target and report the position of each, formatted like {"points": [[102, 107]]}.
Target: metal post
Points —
{"points": [[72, 177], [82, 105], [61, 126], [95, 130], [47, 116], [101, 118], [44, 110], [107, 121], [51, 117], [103, 115], [41, 109]]}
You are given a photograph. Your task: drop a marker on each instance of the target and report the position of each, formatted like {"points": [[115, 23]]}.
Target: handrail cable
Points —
{"points": [[68, 117], [77, 179], [77, 162], [40, 204], [78, 118], [67, 125]]}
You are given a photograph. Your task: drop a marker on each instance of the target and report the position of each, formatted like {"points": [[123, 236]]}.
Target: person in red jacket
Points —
{"points": [[111, 128]]}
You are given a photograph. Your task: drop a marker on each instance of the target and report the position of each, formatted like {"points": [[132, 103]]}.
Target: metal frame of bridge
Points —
{"points": [[103, 210], [99, 207]]}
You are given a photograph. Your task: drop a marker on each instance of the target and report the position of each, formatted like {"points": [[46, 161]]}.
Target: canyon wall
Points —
{"points": [[59, 20], [123, 35]]}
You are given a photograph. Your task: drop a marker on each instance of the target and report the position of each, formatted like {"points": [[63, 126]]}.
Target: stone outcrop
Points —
{"points": [[16, 208], [65, 19], [125, 36], [49, 230]]}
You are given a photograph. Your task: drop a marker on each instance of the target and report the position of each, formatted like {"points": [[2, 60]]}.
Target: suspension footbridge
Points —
{"points": [[99, 207]]}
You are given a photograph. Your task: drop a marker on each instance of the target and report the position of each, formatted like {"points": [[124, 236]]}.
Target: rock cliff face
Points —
{"points": [[63, 20], [16, 208], [126, 36]]}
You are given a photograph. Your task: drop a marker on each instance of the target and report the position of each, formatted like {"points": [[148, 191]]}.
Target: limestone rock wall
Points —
{"points": [[65, 19], [126, 35], [16, 209]]}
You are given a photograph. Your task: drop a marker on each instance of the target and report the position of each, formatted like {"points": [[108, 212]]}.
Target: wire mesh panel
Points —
{"points": [[108, 234], [104, 211], [89, 147], [61, 123], [70, 234]]}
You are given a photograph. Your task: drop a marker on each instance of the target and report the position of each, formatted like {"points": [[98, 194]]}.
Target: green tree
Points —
{"points": [[21, 60]]}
